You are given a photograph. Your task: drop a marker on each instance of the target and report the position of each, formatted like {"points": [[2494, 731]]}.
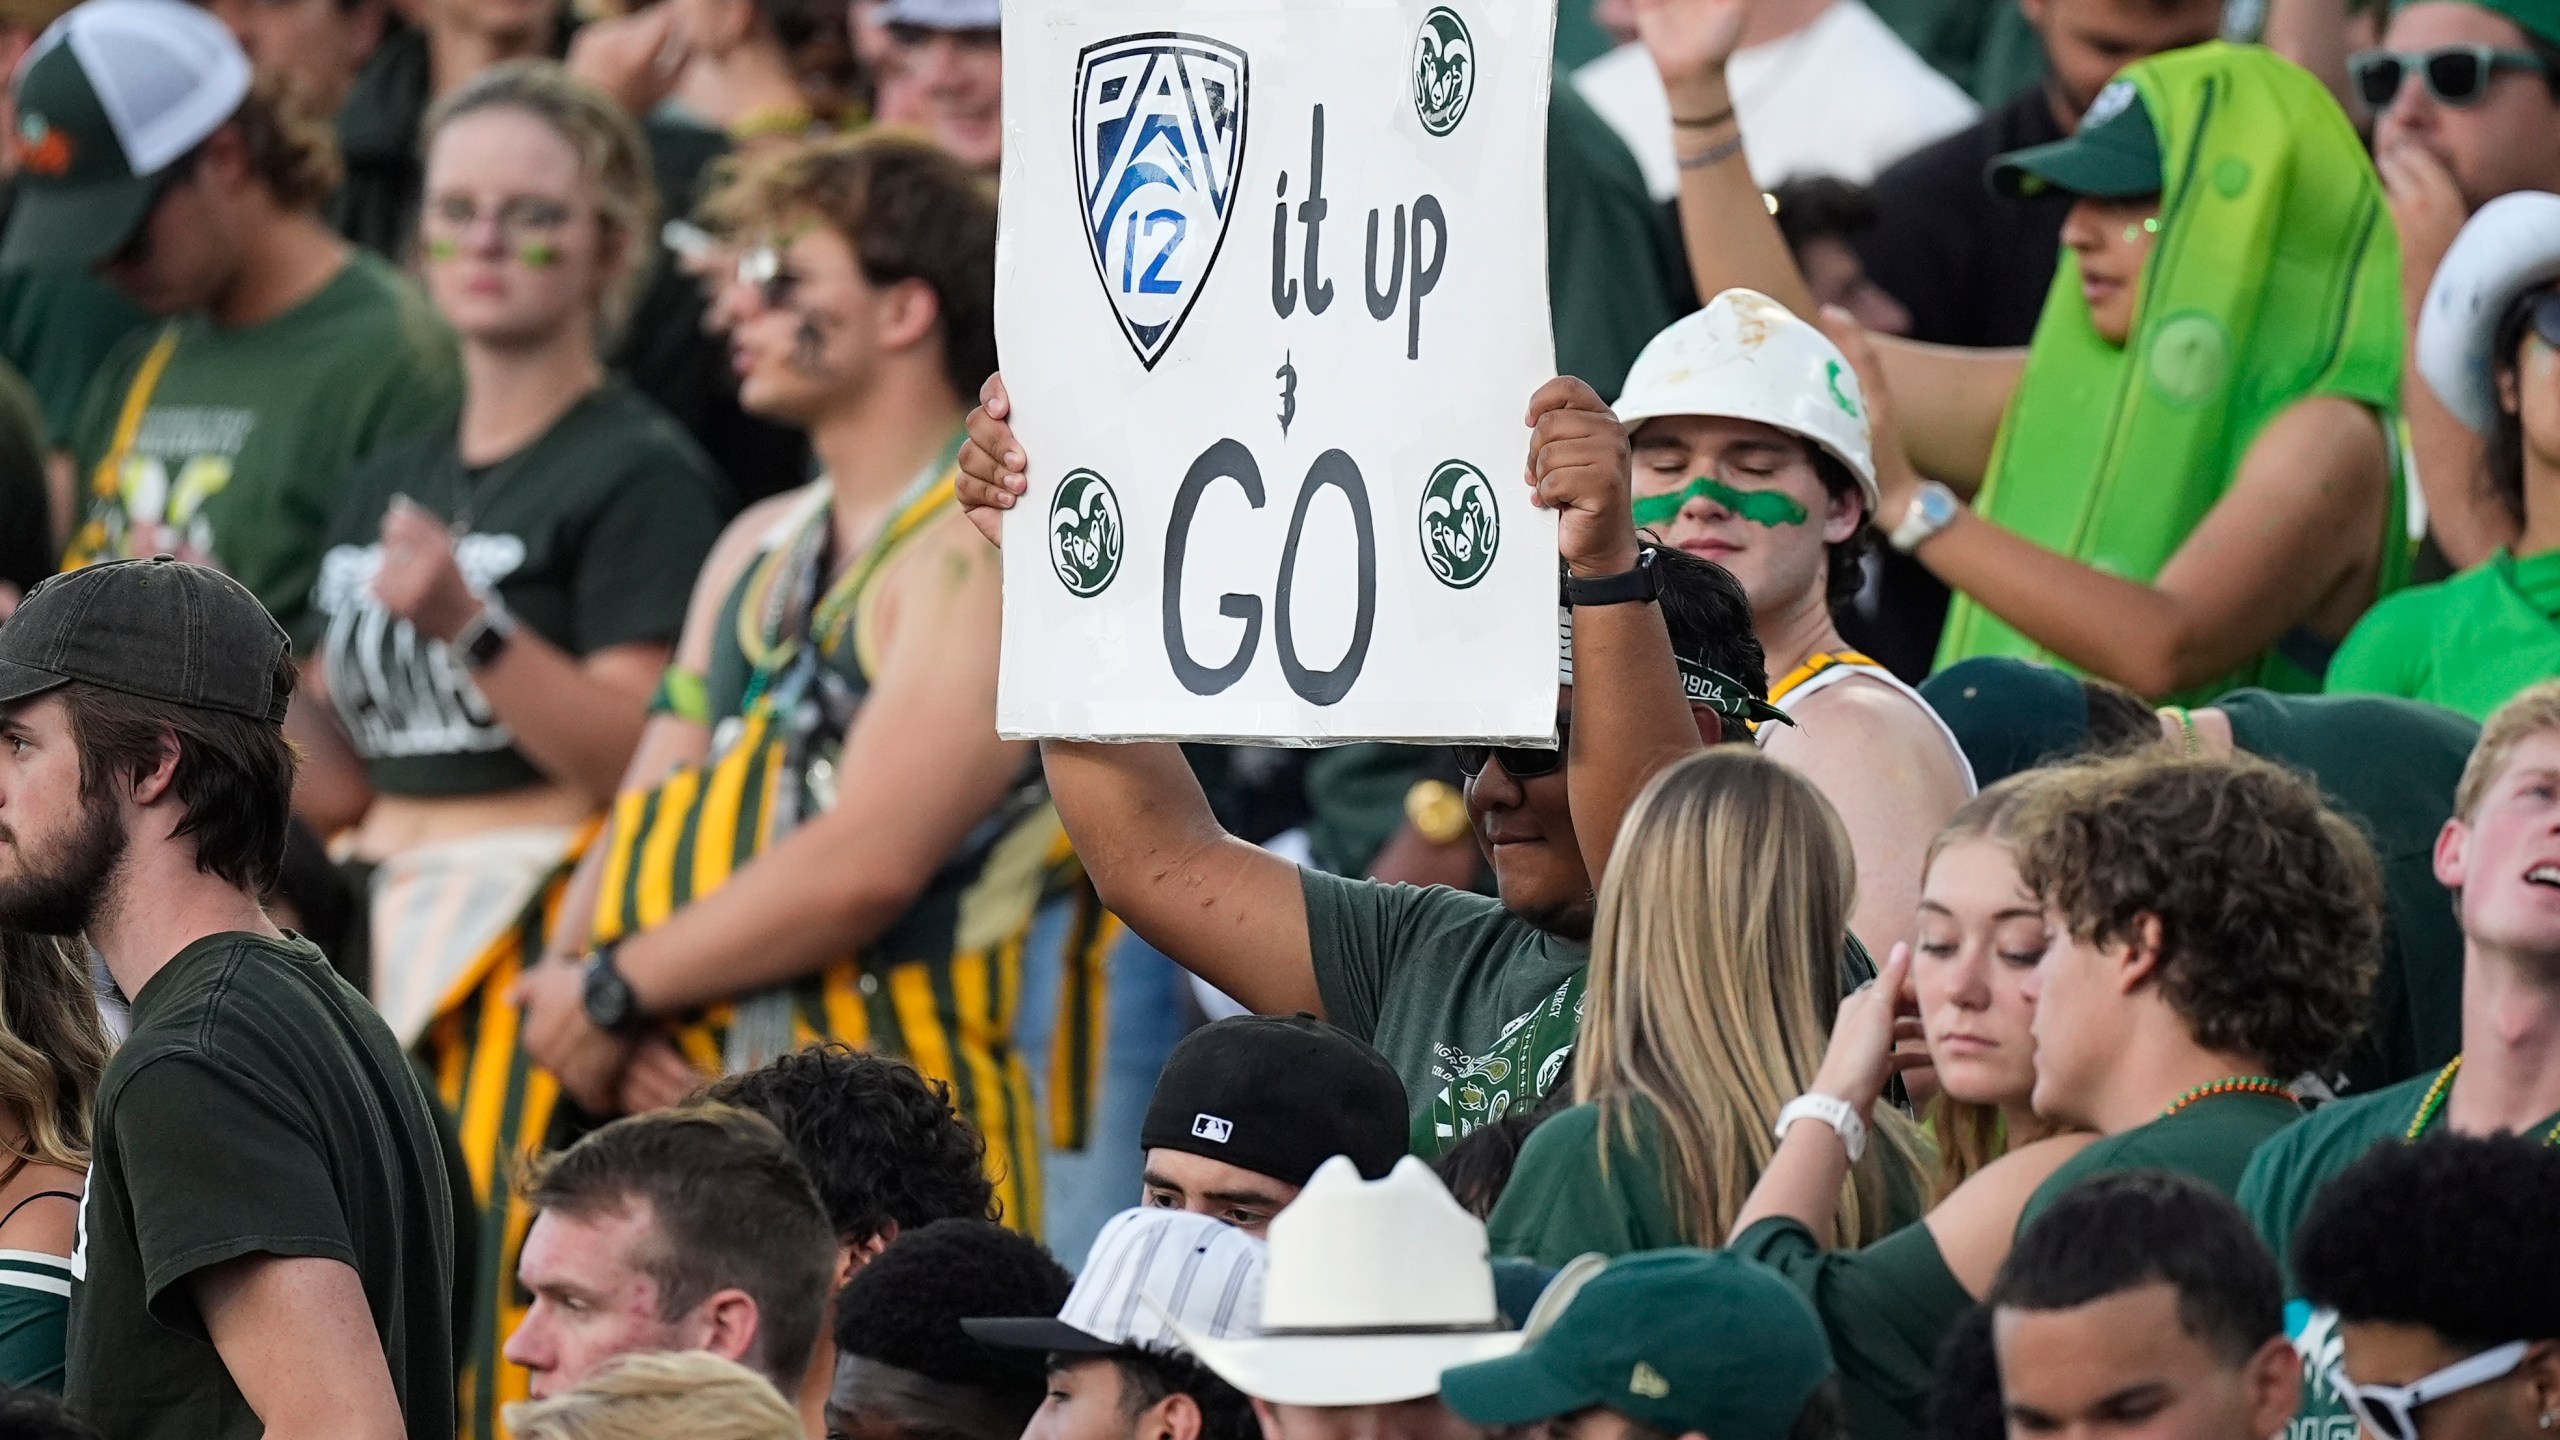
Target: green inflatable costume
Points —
{"points": [[2276, 276]]}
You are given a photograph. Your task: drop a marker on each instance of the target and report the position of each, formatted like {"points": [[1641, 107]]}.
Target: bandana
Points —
{"points": [[1702, 683]]}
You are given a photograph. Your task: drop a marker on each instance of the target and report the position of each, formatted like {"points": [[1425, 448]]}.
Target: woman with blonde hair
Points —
{"points": [[661, 1395], [52, 1053], [1715, 973]]}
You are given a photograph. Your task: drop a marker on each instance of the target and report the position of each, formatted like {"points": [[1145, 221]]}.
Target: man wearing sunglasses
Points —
{"points": [[2500, 855], [1473, 1000], [2443, 1265], [2466, 102]]}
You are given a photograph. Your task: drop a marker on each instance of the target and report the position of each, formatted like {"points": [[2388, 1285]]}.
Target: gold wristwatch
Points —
{"points": [[1437, 810]]}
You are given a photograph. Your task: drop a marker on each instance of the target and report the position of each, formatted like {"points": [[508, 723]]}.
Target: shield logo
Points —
{"points": [[1160, 129]]}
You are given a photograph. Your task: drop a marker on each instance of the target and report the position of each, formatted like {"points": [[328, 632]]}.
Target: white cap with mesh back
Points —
{"points": [[109, 98], [1149, 1269]]}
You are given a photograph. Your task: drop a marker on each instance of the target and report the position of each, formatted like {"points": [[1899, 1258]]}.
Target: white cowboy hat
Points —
{"points": [[1372, 1290], [2510, 246]]}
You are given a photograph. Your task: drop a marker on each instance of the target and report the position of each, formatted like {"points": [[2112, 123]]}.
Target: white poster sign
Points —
{"points": [[1271, 297]]}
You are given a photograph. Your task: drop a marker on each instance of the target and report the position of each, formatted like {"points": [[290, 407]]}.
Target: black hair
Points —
{"points": [[883, 1143], [234, 776], [2119, 720], [2502, 453], [2126, 1230], [1821, 207], [1965, 1403], [1478, 1168], [1147, 1377], [1845, 561], [1709, 617], [905, 1307], [32, 1414], [2446, 1234]]}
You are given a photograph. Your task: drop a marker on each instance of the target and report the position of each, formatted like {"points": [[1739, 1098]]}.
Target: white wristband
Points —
{"points": [[1831, 1110]]}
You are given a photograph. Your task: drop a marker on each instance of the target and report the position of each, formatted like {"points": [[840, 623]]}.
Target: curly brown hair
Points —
{"points": [[2269, 902]]}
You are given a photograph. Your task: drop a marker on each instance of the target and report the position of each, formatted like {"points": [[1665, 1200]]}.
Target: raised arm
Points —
{"points": [[299, 1341], [1232, 913], [1803, 1179], [1733, 241]]}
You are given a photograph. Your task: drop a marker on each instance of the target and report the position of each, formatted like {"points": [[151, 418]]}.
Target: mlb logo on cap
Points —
{"points": [[1210, 1127]]}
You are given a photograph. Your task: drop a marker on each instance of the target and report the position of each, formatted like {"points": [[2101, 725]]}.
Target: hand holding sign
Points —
{"points": [[991, 464], [1578, 467]]}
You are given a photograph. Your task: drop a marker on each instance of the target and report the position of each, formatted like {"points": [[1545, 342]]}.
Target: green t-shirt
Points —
{"points": [[259, 1107], [591, 536], [2390, 765], [35, 1303], [2210, 1140], [1615, 269], [2287, 1174], [57, 327], [245, 443], [1562, 1201], [2468, 643], [1886, 1309], [1475, 1007]]}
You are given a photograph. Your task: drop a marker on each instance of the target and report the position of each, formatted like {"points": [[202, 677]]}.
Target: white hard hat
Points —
{"points": [[2510, 246], [1745, 357]]}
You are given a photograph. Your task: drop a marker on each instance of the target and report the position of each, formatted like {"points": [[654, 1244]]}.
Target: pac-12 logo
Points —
{"points": [[1160, 129], [1084, 533], [1444, 70]]}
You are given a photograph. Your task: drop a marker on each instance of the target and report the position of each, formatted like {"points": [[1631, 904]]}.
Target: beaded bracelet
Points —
{"points": [[1715, 154]]}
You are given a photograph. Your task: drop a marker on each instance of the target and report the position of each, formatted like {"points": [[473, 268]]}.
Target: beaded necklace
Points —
{"points": [[2443, 1089], [2229, 1085]]}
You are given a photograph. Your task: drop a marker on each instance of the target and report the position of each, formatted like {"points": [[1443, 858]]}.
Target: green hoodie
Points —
{"points": [[2276, 277]]}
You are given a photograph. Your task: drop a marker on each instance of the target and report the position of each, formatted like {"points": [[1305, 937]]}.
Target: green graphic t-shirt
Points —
{"points": [[259, 1107], [591, 536], [2287, 1174], [2468, 643], [240, 448]]}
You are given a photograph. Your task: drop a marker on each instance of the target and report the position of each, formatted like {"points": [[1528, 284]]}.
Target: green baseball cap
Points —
{"points": [[2539, 18], [2115, 154], [1744, 1357], [110, 98]]}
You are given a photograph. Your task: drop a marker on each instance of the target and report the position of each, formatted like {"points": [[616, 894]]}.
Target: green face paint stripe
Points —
{"points": [[1772, 508], [539, 255]]}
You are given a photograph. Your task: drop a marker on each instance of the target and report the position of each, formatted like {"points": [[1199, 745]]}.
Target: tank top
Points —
{"points": [[1827, 668]]}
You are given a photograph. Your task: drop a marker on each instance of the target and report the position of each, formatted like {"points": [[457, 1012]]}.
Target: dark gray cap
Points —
{"points": [[158, 628]]}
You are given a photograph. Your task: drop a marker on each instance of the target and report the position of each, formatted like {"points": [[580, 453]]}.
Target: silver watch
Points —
{"points": [[1933, 508]]}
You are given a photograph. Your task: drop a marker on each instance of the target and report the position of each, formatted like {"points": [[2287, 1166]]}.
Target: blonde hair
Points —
{"points": [[661, 1395], [1715, 977], [2534, 710], [52, 1048], [1971, 1136], [613, 159]]}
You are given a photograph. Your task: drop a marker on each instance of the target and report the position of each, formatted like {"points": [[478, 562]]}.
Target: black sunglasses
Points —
{"points": [[1518, 761], [2541, 315], [2454, 74]]}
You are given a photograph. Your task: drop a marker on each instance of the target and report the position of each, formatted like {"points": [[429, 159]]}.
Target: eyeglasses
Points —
{"points": [[2391, 1411], [1518, 761], [2454, 74]]}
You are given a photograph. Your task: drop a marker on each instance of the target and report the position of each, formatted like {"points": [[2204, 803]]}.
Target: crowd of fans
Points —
{"points": [[2042, 917]]}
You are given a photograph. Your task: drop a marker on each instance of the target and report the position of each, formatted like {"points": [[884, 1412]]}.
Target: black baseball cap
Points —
{"points": [[158, 628], [1279, 1095]]}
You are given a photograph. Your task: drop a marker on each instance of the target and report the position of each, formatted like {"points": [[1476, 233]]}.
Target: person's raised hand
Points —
{"points": [[2426, 207], [420, 581], [659, 1076], [1863, 1055], [1690, 40], [634, 59], [993, 472], [1896, 479], [1578, 467]]}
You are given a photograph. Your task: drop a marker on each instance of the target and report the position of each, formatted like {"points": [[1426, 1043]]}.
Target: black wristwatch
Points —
{"points": [[485, 635], [1627, 587], [609, 1001]]}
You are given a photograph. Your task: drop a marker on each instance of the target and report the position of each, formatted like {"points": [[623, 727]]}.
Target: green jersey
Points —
{"points": [[2209, 1140], [1564, 1200], [2468, 643], [231, 447], [259, 1107], [35, 1304], [2287, 1174], [2391, 766], [1886, 1309]]}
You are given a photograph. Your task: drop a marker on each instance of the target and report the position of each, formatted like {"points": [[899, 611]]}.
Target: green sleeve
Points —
{"points": [[1352, 929], [2385, 654], [2267, 1200], [1563, 1202], [32, 1332], [637, 563], [218, 1165], [1886, 1309]]}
